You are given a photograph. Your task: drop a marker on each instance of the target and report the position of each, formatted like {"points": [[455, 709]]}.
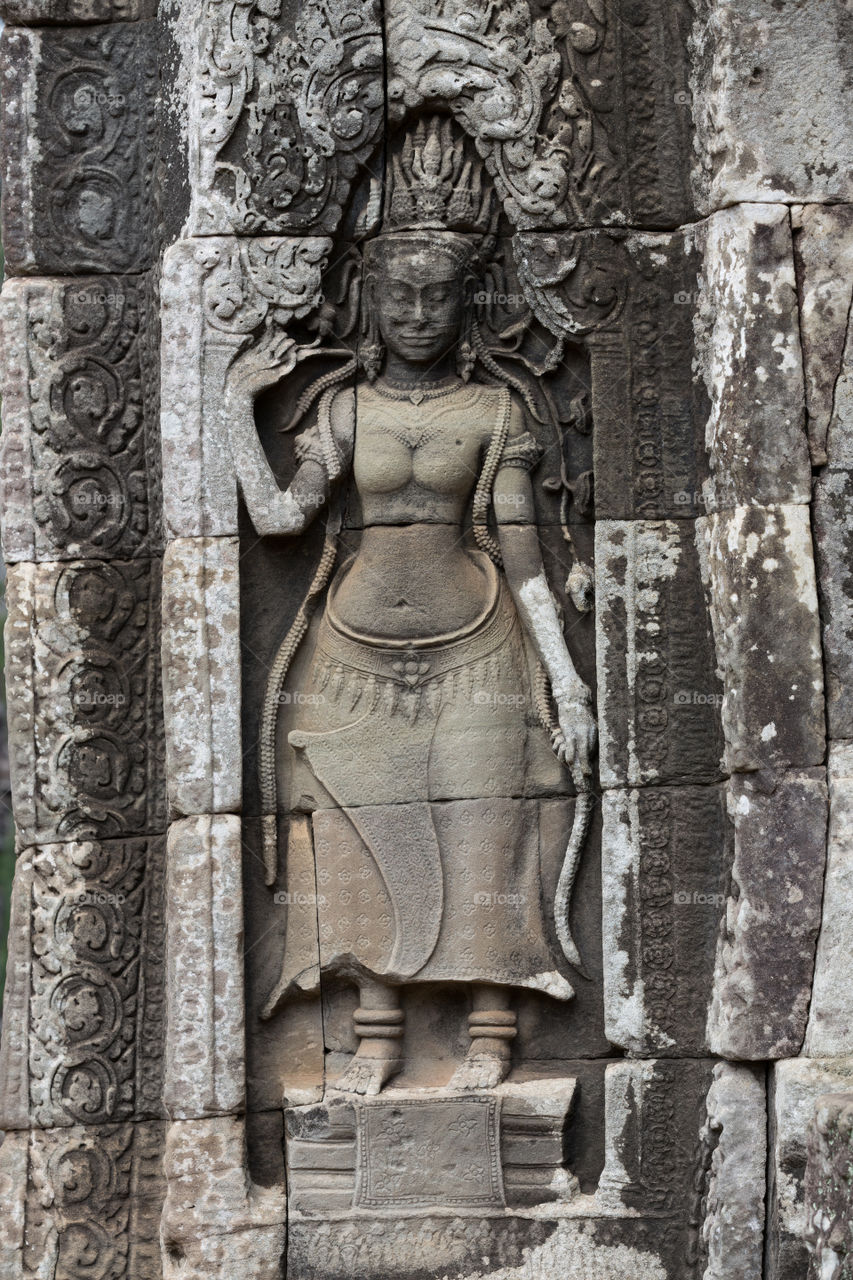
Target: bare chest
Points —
{"points": [[433, 447]]}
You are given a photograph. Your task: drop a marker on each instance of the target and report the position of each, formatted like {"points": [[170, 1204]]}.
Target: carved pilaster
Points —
{"points": [[90, 1193], [80, 448], [78, 148], [85, 722], [87, 944]]}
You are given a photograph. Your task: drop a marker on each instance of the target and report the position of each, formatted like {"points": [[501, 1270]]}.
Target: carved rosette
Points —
{"points": [[82, 1202]]}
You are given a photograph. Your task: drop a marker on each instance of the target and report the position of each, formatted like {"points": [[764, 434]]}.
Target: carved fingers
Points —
{"points": [[262, 366], [576, 739]]}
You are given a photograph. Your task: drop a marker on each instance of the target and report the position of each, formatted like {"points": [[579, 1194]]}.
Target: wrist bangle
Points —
{"points": [[575, 693]]}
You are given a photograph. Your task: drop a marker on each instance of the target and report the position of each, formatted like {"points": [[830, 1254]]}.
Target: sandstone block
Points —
{"points": [[654, 1110], [85, 722], [84, 1017], [823, 255], [833, 536], [665, 858], [215, 1221], [759, 567], [765, 101], [201, 685], [205, 1051], [80, 454], [765, 956], [92, 1192], [797, 1088], [829, 1187], [658, 697], [830, 1029], [78, 154], [648, 408], [733, 1229], [749, 357]]}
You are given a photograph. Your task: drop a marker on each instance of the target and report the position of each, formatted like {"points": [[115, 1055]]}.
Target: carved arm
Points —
{"points": [[519, 542], [274, 510]]}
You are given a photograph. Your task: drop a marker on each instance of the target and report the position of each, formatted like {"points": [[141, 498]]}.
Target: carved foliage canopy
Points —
{"points": [[285, 122]]}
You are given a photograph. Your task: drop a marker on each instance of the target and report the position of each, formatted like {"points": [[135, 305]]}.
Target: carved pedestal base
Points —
{"points": [[421, 1151]]}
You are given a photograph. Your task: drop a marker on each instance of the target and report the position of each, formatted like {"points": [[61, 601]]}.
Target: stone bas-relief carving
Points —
{"points": [[407, 748], [288, 111], [449, 972]]}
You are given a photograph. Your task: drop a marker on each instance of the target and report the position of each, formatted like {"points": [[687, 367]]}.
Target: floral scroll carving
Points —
{"points": [[81, 469], [98, 937], [285, 122], [89, 189], [82, 653], [300, 113]]}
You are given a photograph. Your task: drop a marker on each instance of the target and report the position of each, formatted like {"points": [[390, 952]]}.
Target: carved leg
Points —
{"points": [[378, 1023], [492, 1028]]}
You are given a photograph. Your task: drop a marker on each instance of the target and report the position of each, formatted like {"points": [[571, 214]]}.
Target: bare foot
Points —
{"points": [[367, 1075], [480, 1071]]}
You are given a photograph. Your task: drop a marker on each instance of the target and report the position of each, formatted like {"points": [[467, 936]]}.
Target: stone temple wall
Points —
{"points": [[180, 189]]}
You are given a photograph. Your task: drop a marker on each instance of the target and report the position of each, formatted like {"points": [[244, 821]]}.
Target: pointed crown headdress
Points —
{"points": [[434, 185]]}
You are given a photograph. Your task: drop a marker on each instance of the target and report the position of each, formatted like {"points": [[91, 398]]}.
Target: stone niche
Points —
{"points": [[419, 741], [441, 937]]}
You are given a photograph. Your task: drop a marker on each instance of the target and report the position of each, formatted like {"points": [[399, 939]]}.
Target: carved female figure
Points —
{"points": [[412, 757]]}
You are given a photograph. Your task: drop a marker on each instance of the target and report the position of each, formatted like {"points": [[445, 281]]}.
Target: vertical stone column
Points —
{"points": [[772, 90], [83, 1035]]}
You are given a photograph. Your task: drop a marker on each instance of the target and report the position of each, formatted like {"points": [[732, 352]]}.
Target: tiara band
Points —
{"points": [[460, 247]]}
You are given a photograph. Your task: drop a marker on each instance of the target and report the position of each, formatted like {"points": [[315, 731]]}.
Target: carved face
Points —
{"points": [[420, 295]]}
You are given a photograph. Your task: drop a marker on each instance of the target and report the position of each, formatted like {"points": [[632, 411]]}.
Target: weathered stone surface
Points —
{"points": [[75, 12], [272, 152], [285, 1058], [759, 567], [648, 409], [13, 1189], [215, 1221], [658, 696], [654, 1111], [665, 860], [765, 957], [833, 540], [772, 110], [216, 293], [823, 256], [205, 1052], [833, 531], [735, 1138], [830, 1029], [80, 456], [419, 1150], [829, 1188], [517, 1247], [749, 357], [78, 148], [201, 636], [85, 1013], [797, 1087], [85, 727], [90, 1194]]}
